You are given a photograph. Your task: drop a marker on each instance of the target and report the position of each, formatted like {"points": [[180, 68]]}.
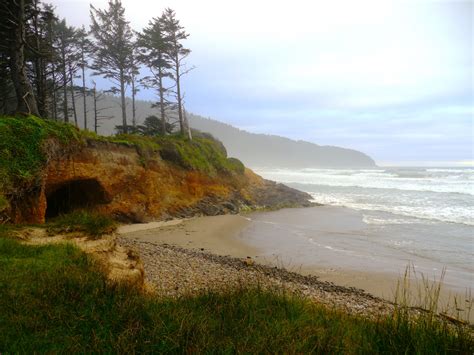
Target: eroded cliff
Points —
{"points": [[134, 184]]}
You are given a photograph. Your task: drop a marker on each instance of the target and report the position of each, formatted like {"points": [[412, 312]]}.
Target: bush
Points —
{"points": [[92, 224], [207, 155], [236, 165], [22, 151], [3, 203]]}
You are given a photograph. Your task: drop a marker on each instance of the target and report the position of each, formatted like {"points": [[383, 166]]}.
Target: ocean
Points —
{"points": [[401, 216]]}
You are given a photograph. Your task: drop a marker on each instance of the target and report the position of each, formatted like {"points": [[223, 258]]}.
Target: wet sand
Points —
{"points": [[271, 238], [215, 234]]}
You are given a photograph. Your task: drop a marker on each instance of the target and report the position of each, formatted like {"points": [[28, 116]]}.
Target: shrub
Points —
{"points": [[3, 203], [22, 150], [236, 165], [207, 155], [90, 223]]}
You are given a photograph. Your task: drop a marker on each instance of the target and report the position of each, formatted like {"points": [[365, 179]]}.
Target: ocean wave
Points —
{"points": [[421, 213], [450, 184], [368, 219], [441, 195]]}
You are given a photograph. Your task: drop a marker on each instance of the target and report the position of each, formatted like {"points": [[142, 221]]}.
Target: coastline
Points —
{"points": [[203, 245]]}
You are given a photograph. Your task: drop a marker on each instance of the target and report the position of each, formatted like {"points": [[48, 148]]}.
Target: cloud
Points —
{"points": [[392, 78]]}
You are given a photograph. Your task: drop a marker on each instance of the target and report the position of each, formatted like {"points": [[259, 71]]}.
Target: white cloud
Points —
{"points": [[378, 66]]}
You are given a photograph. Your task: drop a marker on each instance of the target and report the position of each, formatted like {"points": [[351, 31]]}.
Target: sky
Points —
{"points": [[393, 79]]}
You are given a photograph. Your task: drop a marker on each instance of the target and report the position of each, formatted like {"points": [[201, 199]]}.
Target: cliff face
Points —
{"points": [[115, 179]]}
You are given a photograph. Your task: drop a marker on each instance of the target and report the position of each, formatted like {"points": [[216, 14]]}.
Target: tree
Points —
{"points": [[98, 111], [112, 48], [51, 61], [65, 37], [152, 126], [154, 47], [84, 45], [39, 54], [7, 100], [13, 25], [177, 54], [134, 71]]}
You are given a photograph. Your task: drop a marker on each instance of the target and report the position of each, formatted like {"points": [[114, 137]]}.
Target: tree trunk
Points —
{"points": [[65, 103], [178, 94], [84, 96], [73, 97], [122, 100], [96, 124], [39, 68], [55, 105], [53, 74], [162, 100], [26, 101], [134, 118], [186, 123]]}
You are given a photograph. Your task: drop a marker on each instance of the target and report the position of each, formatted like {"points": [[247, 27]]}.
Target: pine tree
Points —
{"points": [[38, 57], [14, 16], [50, 64], [154, 48], [112, 48], [99, 115], [135, 82], [176, 54], [83, 45]]}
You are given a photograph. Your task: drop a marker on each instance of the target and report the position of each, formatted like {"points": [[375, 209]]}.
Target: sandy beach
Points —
{"points": [[216, 234], [243, 238]]}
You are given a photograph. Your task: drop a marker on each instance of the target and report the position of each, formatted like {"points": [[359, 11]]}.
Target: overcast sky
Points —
{"points": [[393, 79]]}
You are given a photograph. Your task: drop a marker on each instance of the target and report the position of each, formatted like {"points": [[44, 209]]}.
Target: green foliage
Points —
{"points": [[90, 223], [153, 126], [202, 154], [3, 202], [55, 299], [236, 165], [22, 151]]}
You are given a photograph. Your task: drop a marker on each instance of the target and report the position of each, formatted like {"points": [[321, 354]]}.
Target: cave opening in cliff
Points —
{"points": [[74, 195]]}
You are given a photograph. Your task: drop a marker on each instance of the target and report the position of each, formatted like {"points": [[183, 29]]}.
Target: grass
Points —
{"points": [[26, 144], [56, 299], [90, 223], [22, 150], [204, 154]]}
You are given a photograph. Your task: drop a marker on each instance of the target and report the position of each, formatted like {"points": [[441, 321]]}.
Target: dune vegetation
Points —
{"points": [[55, 298]]}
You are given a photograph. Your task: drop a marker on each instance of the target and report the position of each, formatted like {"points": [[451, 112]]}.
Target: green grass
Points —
{"points": [[90, 223], [55, 299], [26, 143], [3, 202], [204, 153], [22, 150]]}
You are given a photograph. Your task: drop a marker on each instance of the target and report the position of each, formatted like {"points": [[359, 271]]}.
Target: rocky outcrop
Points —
{"points": [[117, 180]]}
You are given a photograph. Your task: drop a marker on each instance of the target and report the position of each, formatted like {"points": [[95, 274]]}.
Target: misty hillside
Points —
{"points": [[262, 150], [255, 150]]}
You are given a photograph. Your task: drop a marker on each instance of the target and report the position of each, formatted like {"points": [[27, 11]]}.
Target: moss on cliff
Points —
{"points": [[28, 143], [23, 148], [202, 154]]}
